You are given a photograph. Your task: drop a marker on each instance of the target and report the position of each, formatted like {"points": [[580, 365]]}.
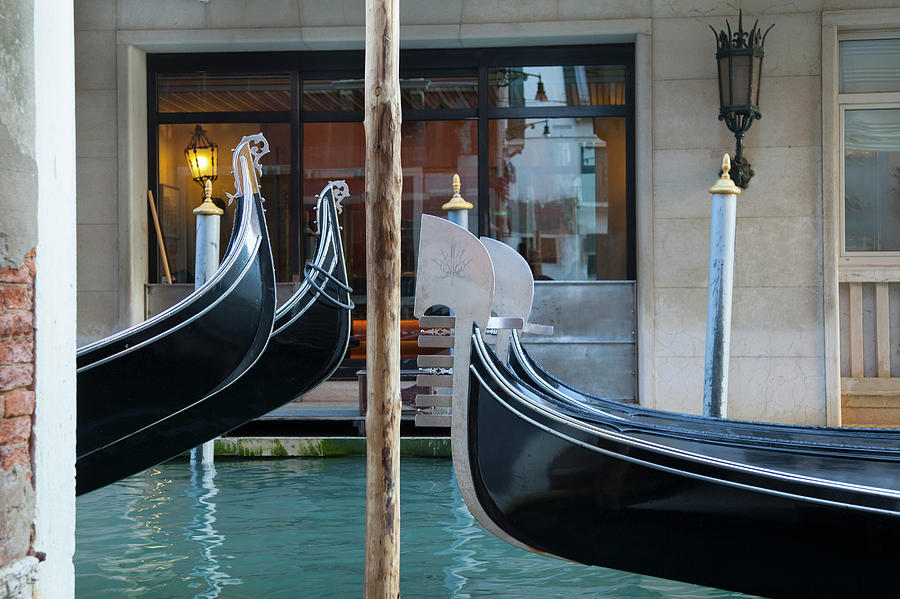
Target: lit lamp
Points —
{"points": [[203, 158], [739, 56]]}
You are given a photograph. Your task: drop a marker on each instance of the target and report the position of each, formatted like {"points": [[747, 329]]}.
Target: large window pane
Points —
{"points": [[556, 86], [431, 153], [558, 195], [207, 92], [872, 180], [178, 194], [416, 93], [869, 66]]}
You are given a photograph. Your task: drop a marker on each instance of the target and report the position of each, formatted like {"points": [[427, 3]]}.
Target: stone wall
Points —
{"points": [[777, 368], [16, 411], [777, 334], [18, 238], [96, 155]]}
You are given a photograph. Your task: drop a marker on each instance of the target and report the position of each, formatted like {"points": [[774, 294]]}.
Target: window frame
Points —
{"points": [[859, 101]]}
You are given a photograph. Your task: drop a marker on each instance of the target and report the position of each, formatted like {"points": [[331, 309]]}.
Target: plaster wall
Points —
{"points": [[777, 370]]}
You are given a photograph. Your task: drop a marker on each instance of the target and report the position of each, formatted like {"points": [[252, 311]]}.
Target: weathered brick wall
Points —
{"points": [[16, 409]]}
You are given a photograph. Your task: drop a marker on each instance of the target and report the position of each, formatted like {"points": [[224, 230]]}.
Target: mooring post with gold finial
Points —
{"points": [[206, 262], [457, 208], [721, 282]]}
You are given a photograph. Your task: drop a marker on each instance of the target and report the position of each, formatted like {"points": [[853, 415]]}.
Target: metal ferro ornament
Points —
{"points": [[739, 57]]}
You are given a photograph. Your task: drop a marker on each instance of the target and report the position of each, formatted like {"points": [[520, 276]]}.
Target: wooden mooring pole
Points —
{"points": [[384, 179]]}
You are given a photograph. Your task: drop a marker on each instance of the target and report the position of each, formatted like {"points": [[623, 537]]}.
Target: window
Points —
{"points": [[869, 101], [544, 152]]}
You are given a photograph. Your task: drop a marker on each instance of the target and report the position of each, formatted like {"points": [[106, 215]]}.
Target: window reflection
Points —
{"points": [[558, 195], [869, 65], [431, 152], [872, 180], [178, 194], [579, 85]]}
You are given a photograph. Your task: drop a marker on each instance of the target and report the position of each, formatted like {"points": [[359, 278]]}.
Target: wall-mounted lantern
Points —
{"points": [[739, 57]]}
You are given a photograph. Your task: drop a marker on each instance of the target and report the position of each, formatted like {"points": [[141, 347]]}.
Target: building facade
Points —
{"points": [[585, 134]]}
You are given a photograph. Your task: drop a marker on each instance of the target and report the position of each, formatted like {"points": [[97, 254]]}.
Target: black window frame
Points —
{"points": [[428, 62]]}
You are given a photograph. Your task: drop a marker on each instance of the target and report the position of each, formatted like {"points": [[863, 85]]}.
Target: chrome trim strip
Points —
{"points": [[218, 300], [226, 264]]}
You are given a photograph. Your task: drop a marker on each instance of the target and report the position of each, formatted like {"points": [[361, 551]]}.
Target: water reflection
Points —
{"points": [[150, 556], [462, 531], [290, 528], [201, 531]]}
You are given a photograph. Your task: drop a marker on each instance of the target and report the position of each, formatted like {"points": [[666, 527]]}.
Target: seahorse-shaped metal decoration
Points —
{"points": [[257, 151]]}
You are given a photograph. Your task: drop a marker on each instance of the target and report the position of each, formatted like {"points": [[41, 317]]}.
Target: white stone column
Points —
{"points": [[54, 298], [206, 262], [721, 282]]}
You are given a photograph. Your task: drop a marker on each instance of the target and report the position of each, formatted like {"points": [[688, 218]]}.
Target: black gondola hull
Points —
{"points": [[846, 439], [130, 382], [309, 340], [600, 493]]}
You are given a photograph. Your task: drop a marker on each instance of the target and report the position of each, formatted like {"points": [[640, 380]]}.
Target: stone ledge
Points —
{"points": [[261, 447], [16, 578]]}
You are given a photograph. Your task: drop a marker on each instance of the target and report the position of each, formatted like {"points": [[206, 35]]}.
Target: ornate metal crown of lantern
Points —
{"points": [[739, 56]]}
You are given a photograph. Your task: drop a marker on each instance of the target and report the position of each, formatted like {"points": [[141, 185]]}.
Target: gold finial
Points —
{"points": [[457, 202], [207, 207], [725, 186]]}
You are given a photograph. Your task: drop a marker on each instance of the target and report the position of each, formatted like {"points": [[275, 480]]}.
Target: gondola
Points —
{"points": [[827, 437], [602, 488], [132, 381], [308, 342], [513, 279]]}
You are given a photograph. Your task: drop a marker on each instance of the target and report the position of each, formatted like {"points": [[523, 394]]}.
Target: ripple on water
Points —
{"points": [[295, 528]]}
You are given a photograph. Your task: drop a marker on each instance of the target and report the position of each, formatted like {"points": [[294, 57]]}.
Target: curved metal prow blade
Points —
{"points": [[513, 292]]}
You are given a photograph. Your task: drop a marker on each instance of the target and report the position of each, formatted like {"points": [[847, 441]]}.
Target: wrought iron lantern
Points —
{"points": [[203, 157], [739, 56]]}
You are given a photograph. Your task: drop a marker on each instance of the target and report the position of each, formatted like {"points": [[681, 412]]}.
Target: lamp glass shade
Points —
{"points": [[202, 157], [740, 79], [203, 163], [754, 83], [724, 82]]}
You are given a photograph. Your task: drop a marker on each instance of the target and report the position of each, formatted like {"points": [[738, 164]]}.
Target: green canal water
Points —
{"points": [[295, 527]]}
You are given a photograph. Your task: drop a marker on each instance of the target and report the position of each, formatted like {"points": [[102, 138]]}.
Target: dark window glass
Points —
{"points": [[416, 93], [205, 92]]}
